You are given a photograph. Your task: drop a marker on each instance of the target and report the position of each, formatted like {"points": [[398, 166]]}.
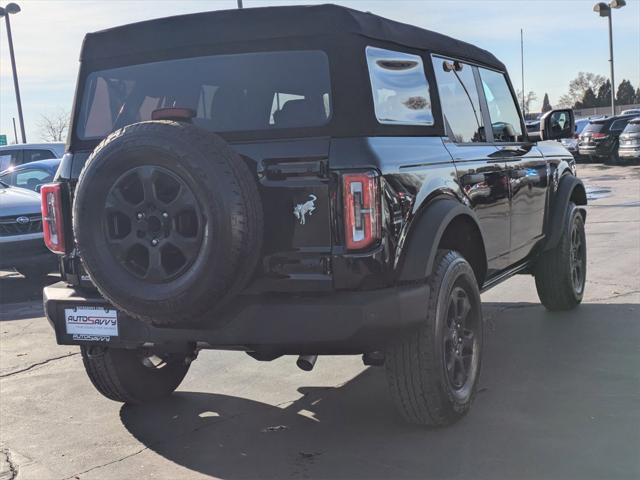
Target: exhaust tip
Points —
{"points": [[306, 362]]}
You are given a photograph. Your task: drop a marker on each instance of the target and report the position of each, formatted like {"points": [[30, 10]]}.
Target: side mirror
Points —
{"points": [[38, 187], [557, 124]]}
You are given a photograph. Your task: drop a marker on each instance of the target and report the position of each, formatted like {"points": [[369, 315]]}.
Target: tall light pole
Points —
{"points": [[5, 12], [239, 4], [604, 10], [522, 65]]}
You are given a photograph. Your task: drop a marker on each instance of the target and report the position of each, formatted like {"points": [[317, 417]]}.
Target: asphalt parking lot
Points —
{"points": [[559, 396]]}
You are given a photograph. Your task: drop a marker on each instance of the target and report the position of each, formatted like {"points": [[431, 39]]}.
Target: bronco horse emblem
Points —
{"points": [[302, 209]]}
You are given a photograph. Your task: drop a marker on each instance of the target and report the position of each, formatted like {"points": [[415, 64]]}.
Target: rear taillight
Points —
{"points": [[52, 222], [362, 223], [598, 136]]}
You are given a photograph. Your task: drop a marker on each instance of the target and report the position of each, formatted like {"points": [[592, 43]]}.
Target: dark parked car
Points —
{"points": [[355, 197], [599, 139], [31, 175], [630, 141], [21, 241]]}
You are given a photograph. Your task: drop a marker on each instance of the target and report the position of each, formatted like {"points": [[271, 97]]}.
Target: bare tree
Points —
{"points": [[53, 128], [529, 97], [578, 87]]}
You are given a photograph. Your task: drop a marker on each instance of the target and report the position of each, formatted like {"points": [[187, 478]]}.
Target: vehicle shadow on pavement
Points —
{"points": [[14, 288], [558, 398]]}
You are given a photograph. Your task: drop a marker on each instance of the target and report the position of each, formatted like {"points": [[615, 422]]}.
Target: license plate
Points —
{"points": [[91, 323]]}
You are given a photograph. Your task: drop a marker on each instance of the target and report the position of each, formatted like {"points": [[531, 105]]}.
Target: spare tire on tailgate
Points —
{"points": [[168, 221]]}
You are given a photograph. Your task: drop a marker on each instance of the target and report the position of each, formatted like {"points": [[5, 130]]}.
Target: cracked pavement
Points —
{"points": [[559, 394]]}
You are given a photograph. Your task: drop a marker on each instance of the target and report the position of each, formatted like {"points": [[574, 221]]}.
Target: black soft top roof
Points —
{"points": [[266, 23]]}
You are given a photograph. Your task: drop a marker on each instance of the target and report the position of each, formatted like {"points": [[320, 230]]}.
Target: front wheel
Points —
{"points": [[433, 371], [133, 376], [562, 271]]}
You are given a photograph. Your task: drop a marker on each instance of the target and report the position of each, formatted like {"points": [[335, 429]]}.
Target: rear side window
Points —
{"points": [[35, 155], [459, 100], [32, 178], [399, 87], [238, 92], [619, 125], [505, 118]]}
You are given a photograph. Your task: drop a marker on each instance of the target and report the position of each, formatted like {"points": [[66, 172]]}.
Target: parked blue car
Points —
{"points": [[31, 175]]}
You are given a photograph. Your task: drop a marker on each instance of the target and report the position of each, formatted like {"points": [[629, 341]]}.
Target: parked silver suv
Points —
{"points": [[630, 140]]}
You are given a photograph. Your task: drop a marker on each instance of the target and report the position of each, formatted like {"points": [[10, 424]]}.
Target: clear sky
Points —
{"points": [[562, 38]]}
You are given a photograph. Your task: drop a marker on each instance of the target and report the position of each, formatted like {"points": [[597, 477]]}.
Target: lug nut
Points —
{"points": [[139, 215], [155, 242], [165, 215], [459, 339]]}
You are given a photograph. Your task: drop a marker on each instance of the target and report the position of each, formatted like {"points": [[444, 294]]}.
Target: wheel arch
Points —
{"points": [[570, 189], [443, 223]]}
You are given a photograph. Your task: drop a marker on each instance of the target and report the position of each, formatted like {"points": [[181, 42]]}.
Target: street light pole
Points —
{"points": [[613, 83], [605, 10], [12, 8]]}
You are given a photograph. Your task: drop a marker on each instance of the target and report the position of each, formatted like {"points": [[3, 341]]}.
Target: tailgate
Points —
{"points": [[294, 186]]}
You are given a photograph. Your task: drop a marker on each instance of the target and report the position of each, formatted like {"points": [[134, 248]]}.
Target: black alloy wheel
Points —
{"points": [[459, 340], [577, 258], [561, 271], [153, 223], [433, 370]]}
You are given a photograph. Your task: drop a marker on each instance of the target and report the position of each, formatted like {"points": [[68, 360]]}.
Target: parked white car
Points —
{"points": [[14, 155]]}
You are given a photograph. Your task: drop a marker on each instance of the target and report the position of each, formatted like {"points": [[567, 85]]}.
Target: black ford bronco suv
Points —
{"points": [[301, 181]]}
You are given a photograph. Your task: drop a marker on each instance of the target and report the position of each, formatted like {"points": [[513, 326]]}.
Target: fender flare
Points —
{"points": [[558, 212], [421, 244]]}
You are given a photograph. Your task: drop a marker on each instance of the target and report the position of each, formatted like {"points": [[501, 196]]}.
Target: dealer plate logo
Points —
{"points": [[86, 323]]}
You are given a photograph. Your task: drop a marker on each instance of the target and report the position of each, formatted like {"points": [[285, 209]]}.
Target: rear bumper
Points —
{"points": [[16, 251], [630, 152], [594, 151], [271, 325]]}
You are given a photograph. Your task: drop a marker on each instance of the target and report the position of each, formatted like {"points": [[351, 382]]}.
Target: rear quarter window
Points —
{"points": [[399, 87]]}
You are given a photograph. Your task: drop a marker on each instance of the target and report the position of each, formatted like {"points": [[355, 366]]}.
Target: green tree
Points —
{"points": [[604, 95], [578, 86], [637, 99], [625, 94], [589, 100], [546, 106]]}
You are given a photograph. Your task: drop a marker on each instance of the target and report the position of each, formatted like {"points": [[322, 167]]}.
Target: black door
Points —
{"points": [[525, 166], [482, 173]]}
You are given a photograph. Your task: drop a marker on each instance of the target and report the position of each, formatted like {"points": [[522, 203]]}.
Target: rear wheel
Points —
{"points": [[433, 371], [133, 376], [561, 272]]}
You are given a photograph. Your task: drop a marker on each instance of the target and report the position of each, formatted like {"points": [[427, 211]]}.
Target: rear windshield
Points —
{"points": [[594, 127], [239, 92], [632, 127], [580, 124]]}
